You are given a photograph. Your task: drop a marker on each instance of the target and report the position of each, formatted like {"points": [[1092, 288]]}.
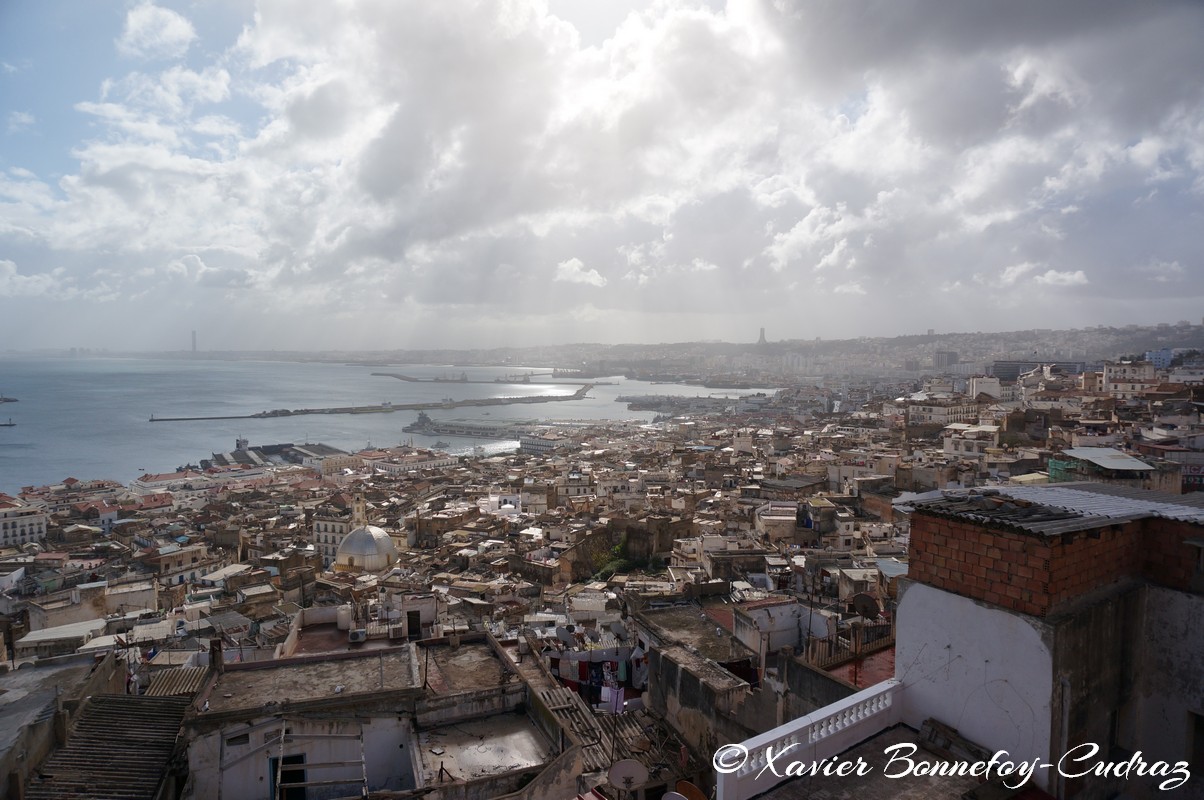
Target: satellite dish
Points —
{"points": [[564, 635], [618, 630], [866, 606], [593, 635], [627, 774], [689, 791]]}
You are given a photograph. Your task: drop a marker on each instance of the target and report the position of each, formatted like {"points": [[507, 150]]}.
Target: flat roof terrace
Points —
{"points": [[314, 678], [689, 625], [327, 638], [470, 667], [491, 746]]}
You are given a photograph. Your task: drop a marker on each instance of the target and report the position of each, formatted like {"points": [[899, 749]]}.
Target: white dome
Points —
{"points": [[368, 548]]}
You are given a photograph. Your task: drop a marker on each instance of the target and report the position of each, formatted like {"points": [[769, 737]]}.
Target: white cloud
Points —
{"points": [[1015, 272], [709, 156], [14, 284], [153, 32], [1068, 278], [19, 121], [1163, 271], [573, 271]]}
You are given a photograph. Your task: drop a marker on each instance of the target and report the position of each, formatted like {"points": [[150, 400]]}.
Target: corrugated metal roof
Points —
{"points": [[891, 568], [1108, 458], [993, 507], [1132, 504], [1054, 509], [178, 681], [1194, 499]]}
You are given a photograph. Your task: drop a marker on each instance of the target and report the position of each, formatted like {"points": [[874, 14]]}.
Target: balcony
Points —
{"points": [[827, 732]]}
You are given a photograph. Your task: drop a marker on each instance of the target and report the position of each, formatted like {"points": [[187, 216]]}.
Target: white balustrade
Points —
{"points": [[820, 735]]}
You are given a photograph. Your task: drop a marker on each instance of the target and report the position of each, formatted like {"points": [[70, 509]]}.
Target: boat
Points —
{"points": [[442, 444], [4, 399], [9, 424], [423, 423]]}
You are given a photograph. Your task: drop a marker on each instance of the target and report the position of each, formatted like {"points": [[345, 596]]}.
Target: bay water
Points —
{"points": [[90, 417]]}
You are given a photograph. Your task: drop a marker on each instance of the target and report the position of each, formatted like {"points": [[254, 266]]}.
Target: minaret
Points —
{"points": [[762, 341], [359, 515]]}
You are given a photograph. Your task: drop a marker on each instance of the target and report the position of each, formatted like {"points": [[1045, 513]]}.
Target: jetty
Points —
{"points": [[387, 408], [524, 380]]}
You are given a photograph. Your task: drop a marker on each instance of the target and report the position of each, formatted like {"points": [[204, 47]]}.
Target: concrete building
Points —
{"points": [[1061, 624], [21, 522], [330, 525], [1125, 380], [463, 718], [1108, 465], [941, 411]]}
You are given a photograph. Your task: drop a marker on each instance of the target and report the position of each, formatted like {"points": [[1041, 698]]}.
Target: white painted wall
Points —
{"points": [[389, 765], [980, 669]]}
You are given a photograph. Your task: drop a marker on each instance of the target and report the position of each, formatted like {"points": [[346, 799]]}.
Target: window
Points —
{"points": [[240, 739]]}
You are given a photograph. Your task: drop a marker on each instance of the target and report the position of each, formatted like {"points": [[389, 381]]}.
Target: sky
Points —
{"points": [[387, 174]]}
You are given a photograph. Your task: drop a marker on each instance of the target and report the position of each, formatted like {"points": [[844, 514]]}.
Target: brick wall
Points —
{"points": [[1036, 574], [994, 566], [1167, 559]]}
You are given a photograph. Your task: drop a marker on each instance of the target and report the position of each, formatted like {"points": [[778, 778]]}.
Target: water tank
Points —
{"points": [[343, 618]]}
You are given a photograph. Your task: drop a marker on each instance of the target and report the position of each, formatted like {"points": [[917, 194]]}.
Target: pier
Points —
{"points": [[386, 408]]}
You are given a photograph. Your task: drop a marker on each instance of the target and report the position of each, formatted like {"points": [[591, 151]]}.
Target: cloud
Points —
{"points": [[733, 159], [152, 32], [14, 284], [1055, 278], [1163, 271], [1015, 272], [19, 121], [572, 271]]}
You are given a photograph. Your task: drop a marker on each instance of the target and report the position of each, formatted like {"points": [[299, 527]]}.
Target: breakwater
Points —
{"points": [[386, 408]]}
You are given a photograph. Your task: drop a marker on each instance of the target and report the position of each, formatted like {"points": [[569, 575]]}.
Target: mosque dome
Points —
{"points": [[366, 548]]}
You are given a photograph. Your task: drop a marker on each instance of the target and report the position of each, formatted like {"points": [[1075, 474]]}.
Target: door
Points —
{"points": [[288, 774]]}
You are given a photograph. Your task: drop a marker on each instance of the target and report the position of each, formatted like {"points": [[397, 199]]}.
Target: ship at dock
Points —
{"points": [[480, 429]]}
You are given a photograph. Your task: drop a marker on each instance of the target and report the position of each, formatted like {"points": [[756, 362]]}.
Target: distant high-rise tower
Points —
{"points": [[194, 341], [762, 339], [944, 359]]}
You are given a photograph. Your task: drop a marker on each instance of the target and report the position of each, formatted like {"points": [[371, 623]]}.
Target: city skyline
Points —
{"points": [[408, 176]]}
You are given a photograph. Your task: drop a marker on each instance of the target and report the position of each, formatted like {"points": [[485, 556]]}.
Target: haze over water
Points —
{"points": [[89, 418]]}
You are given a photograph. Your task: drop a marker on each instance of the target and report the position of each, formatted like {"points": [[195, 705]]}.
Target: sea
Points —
{"points": [[89, 417]]}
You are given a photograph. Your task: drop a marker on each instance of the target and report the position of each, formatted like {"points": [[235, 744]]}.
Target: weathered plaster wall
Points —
{"points": [[985, 671]]}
